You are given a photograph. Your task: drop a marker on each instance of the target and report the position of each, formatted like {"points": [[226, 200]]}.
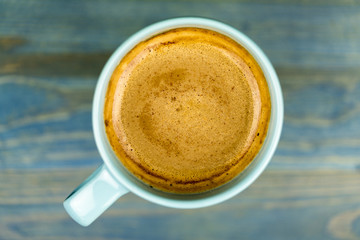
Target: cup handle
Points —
{"points": [[91, 198]]}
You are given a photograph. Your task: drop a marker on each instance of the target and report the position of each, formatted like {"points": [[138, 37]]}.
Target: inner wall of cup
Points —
{"points": [[221, 193]]}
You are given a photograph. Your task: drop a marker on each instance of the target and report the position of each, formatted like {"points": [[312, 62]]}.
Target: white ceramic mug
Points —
{"points": [[111, 180]]}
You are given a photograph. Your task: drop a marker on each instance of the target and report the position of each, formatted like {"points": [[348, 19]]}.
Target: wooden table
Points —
{"points": [[51, 53]]}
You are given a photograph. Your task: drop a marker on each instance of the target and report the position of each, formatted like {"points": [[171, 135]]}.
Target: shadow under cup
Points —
{"points": [[219, 194]]}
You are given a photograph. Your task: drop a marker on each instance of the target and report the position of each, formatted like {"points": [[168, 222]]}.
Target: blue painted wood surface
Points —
{"points": [[51, 54]]}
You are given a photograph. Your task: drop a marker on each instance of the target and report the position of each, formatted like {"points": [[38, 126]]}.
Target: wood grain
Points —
{"points": [[51, 54]]}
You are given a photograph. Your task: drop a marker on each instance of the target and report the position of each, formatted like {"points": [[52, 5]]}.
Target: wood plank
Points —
{"points": [[52, 186], [296, 34], [278, 200]]}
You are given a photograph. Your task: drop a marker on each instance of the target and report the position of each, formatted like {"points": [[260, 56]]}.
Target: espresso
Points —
{"points": [[187, 110]]}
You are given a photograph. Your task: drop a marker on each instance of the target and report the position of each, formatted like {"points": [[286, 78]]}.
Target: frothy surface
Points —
{"points": [[184, 108]]}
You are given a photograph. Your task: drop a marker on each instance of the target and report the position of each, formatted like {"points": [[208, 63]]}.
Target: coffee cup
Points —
{"points": [[112, 180]]}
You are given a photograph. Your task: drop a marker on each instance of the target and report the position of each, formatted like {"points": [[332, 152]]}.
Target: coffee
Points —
{"points": [[187, 110]]}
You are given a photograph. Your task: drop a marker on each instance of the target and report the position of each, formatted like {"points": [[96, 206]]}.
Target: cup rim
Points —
{"points": [[213, 196]]}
